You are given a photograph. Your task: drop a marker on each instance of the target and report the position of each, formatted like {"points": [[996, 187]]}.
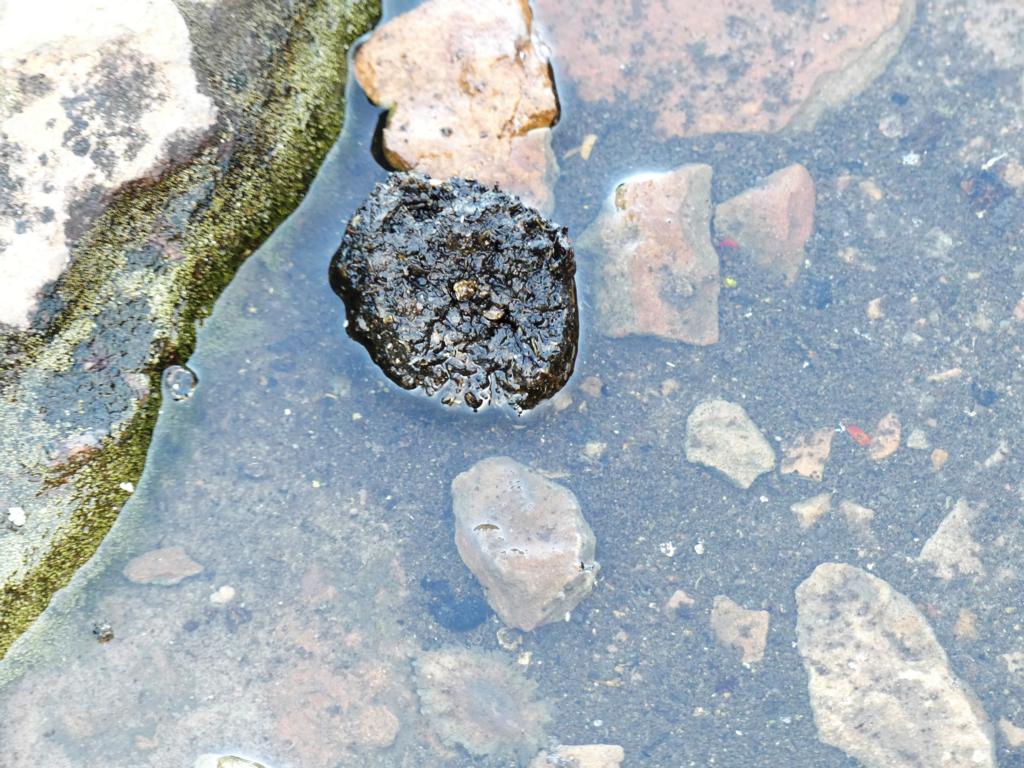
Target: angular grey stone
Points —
{"points": [[720, 435], [879, 682], [525, 539]]}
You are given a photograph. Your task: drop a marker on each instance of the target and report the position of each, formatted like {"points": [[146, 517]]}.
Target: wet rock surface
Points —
{"points": [[952, 550], [740, 628], [525, 539], [657, 272], [763, 65], [721, 435], [148, 149], [880, 684], [470, 94], [481, 703], [772, 222], [165, 566], [461, 291], [581, 756]]}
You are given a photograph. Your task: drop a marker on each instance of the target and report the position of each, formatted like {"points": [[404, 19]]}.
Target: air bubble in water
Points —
{"points": [[180, 381]]}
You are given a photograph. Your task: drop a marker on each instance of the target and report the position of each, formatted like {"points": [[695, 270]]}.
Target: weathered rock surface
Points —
{"points": [[657, 271], [166, 566], [470, 94], [740, 628], [810, 511], [581, 756], [480, 702], [104, 106], [460, 290], [525, 539], [721, 435], [885, 440], [807, 454], [148, 148], [879, 682], [763, 66], [225, 761], [952, 549], [772, 222]]}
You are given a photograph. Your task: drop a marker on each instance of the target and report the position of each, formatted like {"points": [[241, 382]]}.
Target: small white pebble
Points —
{"points": [[16, 516], [912, 159], [127, 487], [223, 595], [356, 416], [667, 548], [699, 547], [287, 411]]}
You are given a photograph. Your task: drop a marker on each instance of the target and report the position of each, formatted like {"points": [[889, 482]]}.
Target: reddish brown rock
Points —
{"points": [[739, 628], [772, 222], [736, 65], [807, 453], [166, 566], [469, 92], [657, 270], [525, 539]]}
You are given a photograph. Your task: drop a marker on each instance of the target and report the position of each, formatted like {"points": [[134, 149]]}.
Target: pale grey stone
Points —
{"points": [[525, 539], [721, 435], [879, 682]]}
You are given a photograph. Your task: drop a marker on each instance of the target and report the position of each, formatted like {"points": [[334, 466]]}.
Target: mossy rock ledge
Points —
{"points": [[146, 150]]}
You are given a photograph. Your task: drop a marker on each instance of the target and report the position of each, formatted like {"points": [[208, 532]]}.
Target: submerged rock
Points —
{"points": [[479, 702], [147, 148], [879, 682], [763, 65], [657, 272], [580, 756], [525, 539], [721, 435], [772, 222], [166, 566], [460, 290], [740, 628], [952, 549], [470, 94]]}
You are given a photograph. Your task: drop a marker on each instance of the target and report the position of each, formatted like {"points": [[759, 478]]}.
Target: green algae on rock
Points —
{"points": [[80, 383], [461, 290]]}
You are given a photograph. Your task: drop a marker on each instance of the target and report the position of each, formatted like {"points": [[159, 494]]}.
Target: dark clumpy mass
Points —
{"points": [[461, 290]]}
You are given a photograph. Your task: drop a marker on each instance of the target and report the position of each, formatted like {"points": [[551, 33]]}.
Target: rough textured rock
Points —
{"points": [[182, 134], [952, 549], [810, 511], [885, 440], [721, 435], [107, 105], [525, 539], [740, 628], [772, 222], [581, 756], [470, 94], [460, 290], [478, 701], [166, 566], [657, 271], [763, 65], [807, 454], [879, 682], [225, 761]]}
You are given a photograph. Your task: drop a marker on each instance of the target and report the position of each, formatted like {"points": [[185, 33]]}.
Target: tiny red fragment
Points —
{"points": [[728, 242], [858, 435]]}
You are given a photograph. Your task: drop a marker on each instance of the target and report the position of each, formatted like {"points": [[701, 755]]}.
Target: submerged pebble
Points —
{"points": [[480, 702], [460, 290], [525, 539]]}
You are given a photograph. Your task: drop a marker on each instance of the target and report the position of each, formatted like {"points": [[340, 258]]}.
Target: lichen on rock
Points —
{"points": [[460, 290]]}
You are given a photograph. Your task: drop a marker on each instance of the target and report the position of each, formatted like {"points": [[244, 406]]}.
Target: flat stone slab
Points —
{"points": [[880, 684]]}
